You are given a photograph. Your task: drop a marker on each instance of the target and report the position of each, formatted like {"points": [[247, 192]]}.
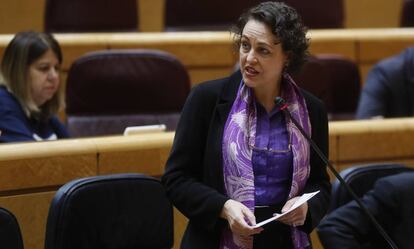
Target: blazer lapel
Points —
{"points": [[214, 153], [227, 97]]}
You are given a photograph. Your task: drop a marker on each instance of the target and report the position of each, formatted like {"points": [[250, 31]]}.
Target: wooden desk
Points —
{"points": [[368, 141], [209, 55], [30, 173]]}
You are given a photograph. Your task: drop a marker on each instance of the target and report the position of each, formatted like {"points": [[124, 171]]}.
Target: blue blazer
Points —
{"points": [[391, 202], [15, 126], [389, 88]]}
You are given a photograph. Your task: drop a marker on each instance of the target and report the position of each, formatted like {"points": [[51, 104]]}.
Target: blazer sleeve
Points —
{"points": [[183, 177], [13, 127], [375, 94], [349, 227], [318, 178]]}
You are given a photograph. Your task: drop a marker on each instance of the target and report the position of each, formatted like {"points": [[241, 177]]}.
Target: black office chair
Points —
{"points": [[112, 211], [10, 234], [361, 179]]}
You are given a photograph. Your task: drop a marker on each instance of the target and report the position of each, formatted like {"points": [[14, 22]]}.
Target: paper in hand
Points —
{"points": [[302, 199]]}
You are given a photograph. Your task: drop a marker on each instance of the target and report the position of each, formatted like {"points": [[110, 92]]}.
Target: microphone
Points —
{"points": [[282, 105]]}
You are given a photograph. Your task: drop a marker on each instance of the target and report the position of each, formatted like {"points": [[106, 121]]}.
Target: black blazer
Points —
{"points": [[194, 173], [391, 202]]}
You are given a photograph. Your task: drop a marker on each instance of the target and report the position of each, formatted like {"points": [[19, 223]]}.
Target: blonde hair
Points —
{"points": [[21, 52]]}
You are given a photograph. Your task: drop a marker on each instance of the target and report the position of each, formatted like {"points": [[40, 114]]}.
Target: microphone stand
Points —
{"points": [[281, 103]]}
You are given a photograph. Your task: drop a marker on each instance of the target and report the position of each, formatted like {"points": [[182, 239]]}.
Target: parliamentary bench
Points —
{"points": [[30, 173]]}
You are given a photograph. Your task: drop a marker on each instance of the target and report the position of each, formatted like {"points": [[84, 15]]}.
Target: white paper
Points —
{"points": [[302, 199], [132, 130]]}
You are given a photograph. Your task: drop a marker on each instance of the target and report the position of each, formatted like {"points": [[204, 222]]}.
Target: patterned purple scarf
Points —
{"points": [[239, 133]]}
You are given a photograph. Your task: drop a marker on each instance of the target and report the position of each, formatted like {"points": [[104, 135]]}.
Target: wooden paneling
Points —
{"points": [[31, 211], [347, 48], [373, 141], [192, 48], [43, 164], [151, 15], [45, 172], [145, 154], [143, 161], [19, 15], [372, 13]]}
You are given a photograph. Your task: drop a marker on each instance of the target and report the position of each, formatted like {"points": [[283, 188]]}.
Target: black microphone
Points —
{"points": [[282, 105]]}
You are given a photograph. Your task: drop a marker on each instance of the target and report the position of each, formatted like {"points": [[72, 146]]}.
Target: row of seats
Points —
{"points": [[186, 15], [107, 91], [132, 211], [180, 15], [112, 211]]}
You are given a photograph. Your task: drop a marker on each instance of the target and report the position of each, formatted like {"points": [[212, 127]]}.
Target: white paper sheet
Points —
{"points": [[302, 199]]}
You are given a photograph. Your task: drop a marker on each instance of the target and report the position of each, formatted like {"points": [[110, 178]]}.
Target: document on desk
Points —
{"points": [[302, 199]]}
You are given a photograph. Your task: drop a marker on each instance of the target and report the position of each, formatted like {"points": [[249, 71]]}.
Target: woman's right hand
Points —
{"points": [[240, 218]]}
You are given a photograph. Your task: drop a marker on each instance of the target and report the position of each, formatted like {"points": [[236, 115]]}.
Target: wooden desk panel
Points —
{"points": [[194, 49], [42, 167], [44, 164], [344, 48], [374, 140], [44, 172], [31, 212], [382, 43], [146, 153]]}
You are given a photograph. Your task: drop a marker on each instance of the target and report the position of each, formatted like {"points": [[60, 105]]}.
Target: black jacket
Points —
{"points": [[391, 202], [194, 173]]}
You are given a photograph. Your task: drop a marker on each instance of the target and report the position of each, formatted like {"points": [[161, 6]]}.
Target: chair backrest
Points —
{"points": [[320, 14], [407, 14], [91, 15], [112, 211], [110, 90], [335, 80], [219, 15], [361, 179], [10, 234]]}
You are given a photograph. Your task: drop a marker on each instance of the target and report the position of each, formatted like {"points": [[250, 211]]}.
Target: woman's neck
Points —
{"points": [[266, 96]]}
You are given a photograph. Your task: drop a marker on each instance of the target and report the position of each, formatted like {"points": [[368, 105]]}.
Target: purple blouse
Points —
{"points": [[272, 158]]}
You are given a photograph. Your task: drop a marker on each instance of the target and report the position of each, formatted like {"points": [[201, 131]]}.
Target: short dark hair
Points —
{"points": [[285, 23], [25, 48]]}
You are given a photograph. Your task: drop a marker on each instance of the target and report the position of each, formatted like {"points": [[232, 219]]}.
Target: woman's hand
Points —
{"points": [[297, 216], [240, 218]]}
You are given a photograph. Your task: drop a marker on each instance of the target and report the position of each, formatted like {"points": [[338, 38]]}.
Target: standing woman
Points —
{"points": [[237, 159], [30, 89]]}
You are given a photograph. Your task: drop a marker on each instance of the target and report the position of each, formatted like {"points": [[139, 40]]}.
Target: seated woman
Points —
{"points": [[30, 89]]}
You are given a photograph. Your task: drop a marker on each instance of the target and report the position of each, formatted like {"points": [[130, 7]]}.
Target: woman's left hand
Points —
{"points": [[297, 216]]}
